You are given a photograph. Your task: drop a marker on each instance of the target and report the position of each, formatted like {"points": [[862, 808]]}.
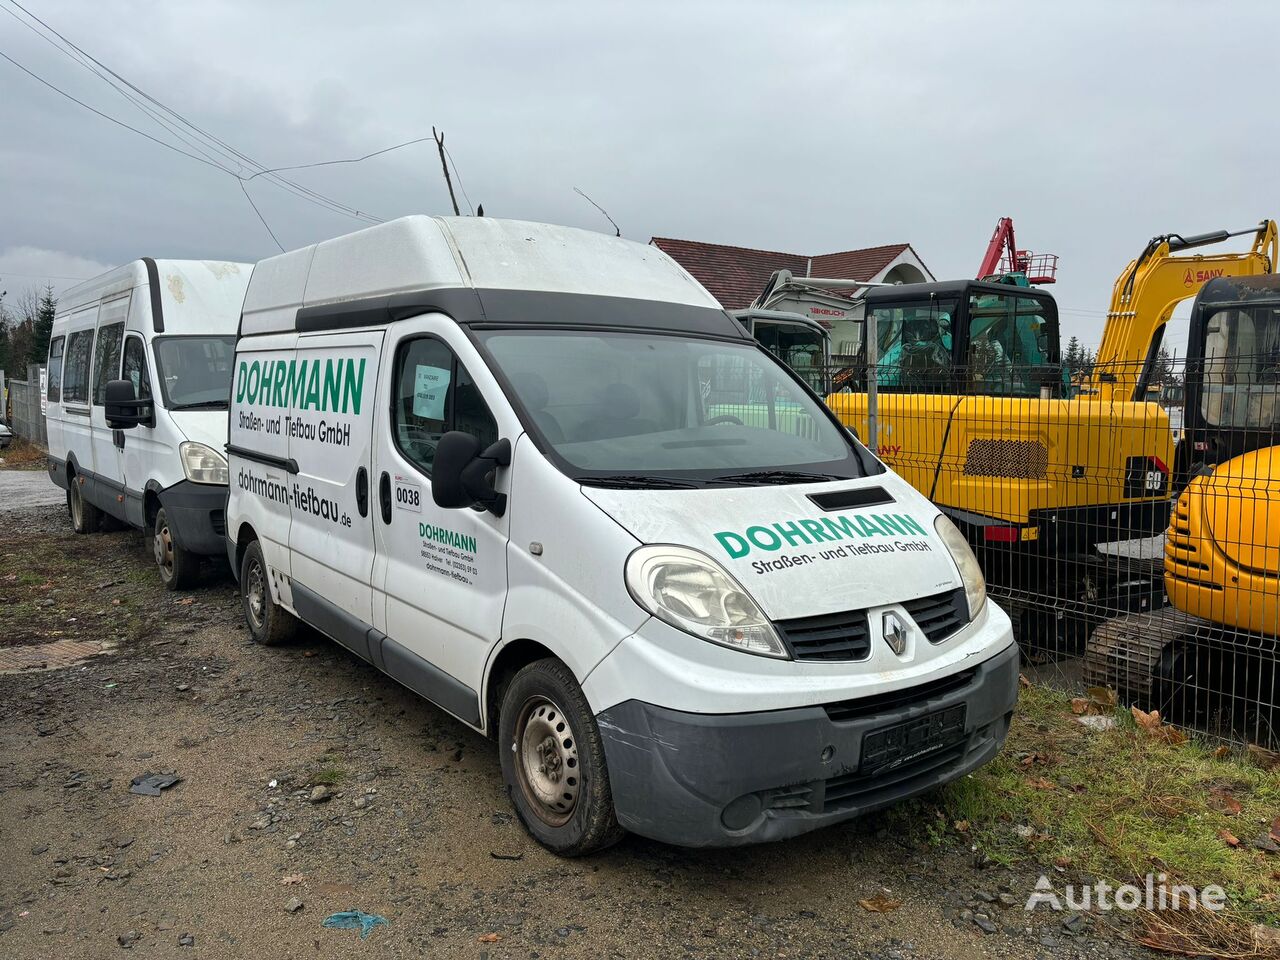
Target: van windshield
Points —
{"points": [[195, 372], [627, 408]]}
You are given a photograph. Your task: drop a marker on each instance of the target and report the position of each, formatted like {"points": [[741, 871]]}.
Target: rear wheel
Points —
{"points": [[269, 623], [178, 567], [85, 517], [553, 761]]}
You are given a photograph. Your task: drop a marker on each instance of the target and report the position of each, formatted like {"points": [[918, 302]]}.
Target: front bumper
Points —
{"points": [[197, 515], [728, 779]]}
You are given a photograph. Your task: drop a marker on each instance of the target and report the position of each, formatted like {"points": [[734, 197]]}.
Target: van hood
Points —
{"points": [[795, 556], [203, 426]]}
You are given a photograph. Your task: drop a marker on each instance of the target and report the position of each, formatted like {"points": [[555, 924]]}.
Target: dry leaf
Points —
{"points": [[1080, 706], [1266, 759], [489, 937], [1040, 783], [962, 826], [1103, 696], [1229, 838], [1275, 830], [1222, 753], [1155, 727], [1023, 681], [1224, 802], [1147, 721], [880, 904], [185, 601], [291, 880]]}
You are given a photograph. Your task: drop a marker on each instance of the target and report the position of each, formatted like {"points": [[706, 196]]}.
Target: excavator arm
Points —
{"points": [[1147, 291]]}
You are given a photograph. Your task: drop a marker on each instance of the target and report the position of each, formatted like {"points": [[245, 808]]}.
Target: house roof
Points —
{"points": [[736, 275]]}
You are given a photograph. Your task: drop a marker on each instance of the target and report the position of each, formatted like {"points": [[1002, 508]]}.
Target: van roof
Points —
{"points": [[465, 266], [186, 296]]}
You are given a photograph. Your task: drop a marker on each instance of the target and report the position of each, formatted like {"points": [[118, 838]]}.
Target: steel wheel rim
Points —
{"points": [[255, 594], [77, 507], [546, 749], [163, 543]]}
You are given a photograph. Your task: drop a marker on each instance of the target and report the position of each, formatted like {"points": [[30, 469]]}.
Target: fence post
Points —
{"points": [[873, 363]]}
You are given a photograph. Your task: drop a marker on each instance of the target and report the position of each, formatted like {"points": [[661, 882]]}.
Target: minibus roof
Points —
{"points": [[478, 270], [185, 296]]}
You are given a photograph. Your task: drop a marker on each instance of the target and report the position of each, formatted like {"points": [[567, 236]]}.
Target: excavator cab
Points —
{"points": [[966, 337], [1232, 372]]}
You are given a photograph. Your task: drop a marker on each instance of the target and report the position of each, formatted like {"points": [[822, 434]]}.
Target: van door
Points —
{"points": [[327, 392], [443, 572], [140, 447], [108, 444], [77, 388]]}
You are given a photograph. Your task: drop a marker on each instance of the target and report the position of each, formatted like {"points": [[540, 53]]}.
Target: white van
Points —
{"points": [[541, 478], [139, 383]]}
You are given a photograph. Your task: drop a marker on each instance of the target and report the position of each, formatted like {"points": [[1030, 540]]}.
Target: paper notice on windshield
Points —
{"points": [[430, 386]]}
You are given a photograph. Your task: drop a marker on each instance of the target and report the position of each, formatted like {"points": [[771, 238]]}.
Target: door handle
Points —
{"points": [[362, 491], [384, 494]]}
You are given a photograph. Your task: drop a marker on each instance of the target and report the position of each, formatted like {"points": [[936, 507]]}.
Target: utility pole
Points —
{"points": [[439, 138]]}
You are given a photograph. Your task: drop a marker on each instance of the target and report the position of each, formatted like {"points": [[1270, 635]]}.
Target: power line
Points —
{"points": [[329, 163], [245, 190]]}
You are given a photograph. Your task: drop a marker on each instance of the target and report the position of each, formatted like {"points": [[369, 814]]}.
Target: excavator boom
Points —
{"points": [[1149, 288]]}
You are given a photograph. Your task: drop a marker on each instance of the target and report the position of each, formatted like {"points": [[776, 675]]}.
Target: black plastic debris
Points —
{"points": [[150, 784]]}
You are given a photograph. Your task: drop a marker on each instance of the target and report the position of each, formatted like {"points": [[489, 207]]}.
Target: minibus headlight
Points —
{"points": [[975, 585], [202, 464], [695, 594]]}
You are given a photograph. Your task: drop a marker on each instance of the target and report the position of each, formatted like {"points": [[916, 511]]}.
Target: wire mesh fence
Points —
{"points": [[1128, 523]]}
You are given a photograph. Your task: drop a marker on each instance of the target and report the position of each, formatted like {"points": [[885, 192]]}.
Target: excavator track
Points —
{"points": [[1124, 653]]}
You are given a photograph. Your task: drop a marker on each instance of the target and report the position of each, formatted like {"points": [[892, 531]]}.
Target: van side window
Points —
{"points": [[106, 365], [434, 394], [135, 368], [75, 377], [55, 369]]}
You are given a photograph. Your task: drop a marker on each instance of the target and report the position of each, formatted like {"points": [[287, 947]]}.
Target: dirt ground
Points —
{"points": [[416, 828]]}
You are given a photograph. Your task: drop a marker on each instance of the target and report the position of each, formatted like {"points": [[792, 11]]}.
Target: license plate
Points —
{"points": [[904, 742]]}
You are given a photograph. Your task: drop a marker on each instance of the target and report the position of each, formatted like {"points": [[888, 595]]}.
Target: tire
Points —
{"points": [[269, 623], [85, 517], [544, 722], [178, 568]]}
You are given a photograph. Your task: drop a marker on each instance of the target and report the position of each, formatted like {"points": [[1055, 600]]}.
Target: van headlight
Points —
{"points": [[975, 585], [693, 593], [202, 463]]}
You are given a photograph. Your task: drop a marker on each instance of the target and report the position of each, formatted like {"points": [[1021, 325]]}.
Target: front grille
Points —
{"points": [[940, 615], [828, 636], [845, 710]]}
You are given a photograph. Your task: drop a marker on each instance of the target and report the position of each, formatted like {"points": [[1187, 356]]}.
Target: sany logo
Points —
{"points": [[889, 450], [1192, 277]]}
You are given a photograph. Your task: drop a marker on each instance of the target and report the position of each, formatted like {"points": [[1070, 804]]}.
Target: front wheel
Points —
{"points": [[178, 567], [269, 623], [85, 517], [553, 761]]}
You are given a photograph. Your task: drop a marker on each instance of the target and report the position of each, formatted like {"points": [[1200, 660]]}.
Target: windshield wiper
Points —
{"points": [[203, 405], [764, 477], [635, 480]]}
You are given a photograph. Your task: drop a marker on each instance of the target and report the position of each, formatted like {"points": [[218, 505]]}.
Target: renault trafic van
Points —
{"points": [[541, 478], [139, 380]]}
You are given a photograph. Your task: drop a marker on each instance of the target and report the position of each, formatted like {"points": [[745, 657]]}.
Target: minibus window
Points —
{"points": [[55, 369], [76, 367], [435, 394], [106, 365], [135, 368], [195, 372], [641, 405]]}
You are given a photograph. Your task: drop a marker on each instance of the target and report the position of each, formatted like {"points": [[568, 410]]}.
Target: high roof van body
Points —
{"points": [[540, 477], [139, 380]]}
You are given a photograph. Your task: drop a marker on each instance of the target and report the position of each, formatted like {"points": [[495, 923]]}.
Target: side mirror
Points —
{"points": [[462, 474], [123, 409]]}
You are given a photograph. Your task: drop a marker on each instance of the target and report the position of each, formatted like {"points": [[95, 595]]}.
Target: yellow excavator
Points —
{"points": [[973, 409], [1215, 646]]}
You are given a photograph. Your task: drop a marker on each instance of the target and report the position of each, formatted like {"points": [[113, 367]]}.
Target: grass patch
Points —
{"points": [[21, 455], [329, 771], [1119, 804]]}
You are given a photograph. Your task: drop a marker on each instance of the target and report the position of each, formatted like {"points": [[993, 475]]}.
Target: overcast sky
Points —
{"points": [[807, 127]]}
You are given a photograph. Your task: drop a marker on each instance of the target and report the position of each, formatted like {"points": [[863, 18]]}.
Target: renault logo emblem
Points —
{"points": [[895, 633]]}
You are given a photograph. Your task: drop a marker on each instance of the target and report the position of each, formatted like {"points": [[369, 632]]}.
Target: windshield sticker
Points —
{"points": [[430, 385], [898, 533]]}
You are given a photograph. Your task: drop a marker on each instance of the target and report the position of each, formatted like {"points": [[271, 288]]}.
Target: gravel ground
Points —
{"points": [[312, 784], [25, 489]]}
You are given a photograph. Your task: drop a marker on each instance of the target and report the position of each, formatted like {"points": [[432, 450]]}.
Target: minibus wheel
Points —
{"points": [[553, 761], [178, 567], [269, 623], [85, 517]]}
